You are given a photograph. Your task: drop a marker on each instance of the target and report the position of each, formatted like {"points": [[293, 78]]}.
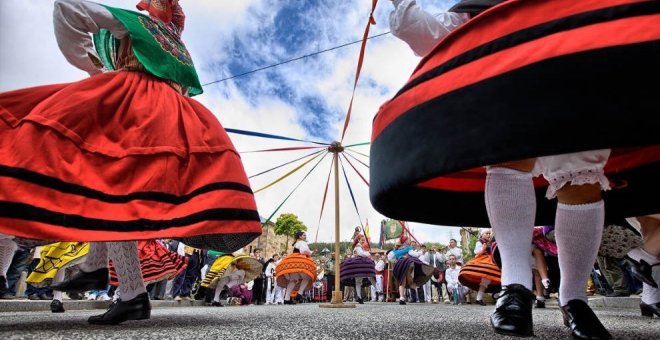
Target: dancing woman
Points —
{"points": [[69, 152], [297, 270], [358, 267], [410, 271], [230, 271]]}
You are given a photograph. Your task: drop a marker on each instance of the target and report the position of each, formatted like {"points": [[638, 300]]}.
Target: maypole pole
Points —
{"points": [[337, 301]]}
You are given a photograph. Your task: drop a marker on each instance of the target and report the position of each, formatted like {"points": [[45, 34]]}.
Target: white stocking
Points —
{"points": [[59, 277], [289, 289], [358, 287], [511, 206], [578, 231], [7, 249], [96, 258], [124, 256]]}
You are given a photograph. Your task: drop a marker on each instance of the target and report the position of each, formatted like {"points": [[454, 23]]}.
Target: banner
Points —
{"points": [[391, 229]]}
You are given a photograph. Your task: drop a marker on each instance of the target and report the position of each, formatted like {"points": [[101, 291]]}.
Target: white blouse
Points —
{"points": [[74, 20], [420, 29]]}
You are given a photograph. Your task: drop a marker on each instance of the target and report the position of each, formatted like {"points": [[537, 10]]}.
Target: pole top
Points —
{"points": [[336, 147]]}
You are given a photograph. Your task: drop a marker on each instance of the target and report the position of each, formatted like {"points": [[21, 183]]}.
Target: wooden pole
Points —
{"points": [[337, 294], [337, 300]]}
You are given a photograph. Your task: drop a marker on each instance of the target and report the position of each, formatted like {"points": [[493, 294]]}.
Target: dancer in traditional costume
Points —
{"points": [[229, 270], [69, 152], [408, 270], [54, 259], [482, 96], [481, 273], [296, 270], [156, 263], [356, 269]]}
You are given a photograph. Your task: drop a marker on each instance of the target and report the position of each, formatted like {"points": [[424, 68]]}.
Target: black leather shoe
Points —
{"points": [[480, 302], [582, 321], [216, 304], [641, 270], [138, 308], [402, 302], [289, 302], [649, 310], [513, 311], [360, 301], [57, 306], [84, 281], [539, 304]]}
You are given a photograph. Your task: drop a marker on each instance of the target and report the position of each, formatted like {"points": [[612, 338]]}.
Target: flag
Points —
{"points": [[366, 232], [381, 240]]}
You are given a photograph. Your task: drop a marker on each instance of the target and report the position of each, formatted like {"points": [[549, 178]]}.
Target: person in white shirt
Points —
{"points": [[456, 251], [379, 265], [358, 267], [270, 279], [451, 276], [437, 261]]}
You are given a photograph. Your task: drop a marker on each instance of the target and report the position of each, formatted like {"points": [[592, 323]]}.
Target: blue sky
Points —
{"points": [[305, 99]]}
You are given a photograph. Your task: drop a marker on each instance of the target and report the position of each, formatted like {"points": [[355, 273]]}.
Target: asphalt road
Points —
{"points": [[308, 321]]}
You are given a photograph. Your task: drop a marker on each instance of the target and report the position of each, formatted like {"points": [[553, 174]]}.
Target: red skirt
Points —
{"points": [[157, 263], [120, 156]]}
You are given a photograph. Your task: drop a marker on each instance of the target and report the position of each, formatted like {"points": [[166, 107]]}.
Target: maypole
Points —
{"points": [[337, 299]]}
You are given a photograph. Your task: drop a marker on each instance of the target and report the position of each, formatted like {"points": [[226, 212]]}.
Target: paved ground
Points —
{"points": [[187, 320]]}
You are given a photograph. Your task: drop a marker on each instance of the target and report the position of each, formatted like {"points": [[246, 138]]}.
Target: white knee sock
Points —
{"points": [[96, 258], [303, 285], [7, 249], [511, 206], [358, 287], [578, 231], [650, 295], [289, 290], [641, 254], [124, 256], [59, 277]]}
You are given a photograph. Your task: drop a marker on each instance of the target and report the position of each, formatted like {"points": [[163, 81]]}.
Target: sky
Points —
{"points": [[304, 99]]}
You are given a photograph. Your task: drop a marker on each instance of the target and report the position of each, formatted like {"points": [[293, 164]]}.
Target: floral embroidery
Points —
{"points": [[168, 39]]}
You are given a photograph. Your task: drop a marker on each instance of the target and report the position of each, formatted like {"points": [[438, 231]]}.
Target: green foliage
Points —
{"points": [[468, 254], [288, 224]]}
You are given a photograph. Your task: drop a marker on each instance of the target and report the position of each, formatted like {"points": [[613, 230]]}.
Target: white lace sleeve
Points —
{"points": [[74, 20], [420, 29]]}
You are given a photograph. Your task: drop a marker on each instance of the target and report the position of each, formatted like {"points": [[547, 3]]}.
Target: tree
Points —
{"points": [[288, 224]]}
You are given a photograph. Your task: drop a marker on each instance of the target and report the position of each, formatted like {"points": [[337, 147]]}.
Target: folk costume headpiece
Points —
{"points": [[167, 11]]}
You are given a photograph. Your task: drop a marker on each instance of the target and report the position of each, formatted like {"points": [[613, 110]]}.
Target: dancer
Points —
{"points": [[54, 259], [463, 94], [408, 270], [481, 273], [356, 269], [296, 270], [231, 271], [132, 113]]}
